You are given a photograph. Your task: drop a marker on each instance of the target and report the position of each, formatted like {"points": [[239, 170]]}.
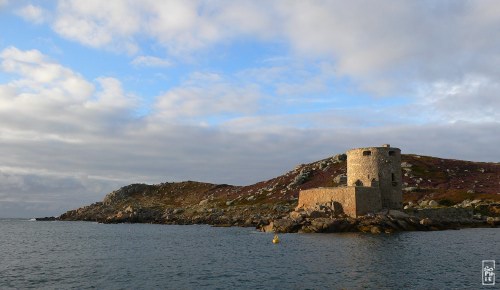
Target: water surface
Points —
{"points": [[141, 256]]}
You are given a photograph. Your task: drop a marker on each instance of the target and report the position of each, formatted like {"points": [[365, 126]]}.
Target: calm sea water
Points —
{"points": [[86, 255]]}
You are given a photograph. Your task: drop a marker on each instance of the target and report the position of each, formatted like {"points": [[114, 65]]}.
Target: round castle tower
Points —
{"points": [[377, 167]]}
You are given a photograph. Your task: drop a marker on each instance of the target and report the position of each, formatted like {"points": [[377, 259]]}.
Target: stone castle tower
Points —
{"points": [[374, 182], [377, 167]]}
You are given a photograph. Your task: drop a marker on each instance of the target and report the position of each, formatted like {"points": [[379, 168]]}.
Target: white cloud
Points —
{"points": [[98, 24], [205, 96], [150, 61], [32, 13], [473, 99], [48, 98], [384, 47], [43, 84]]}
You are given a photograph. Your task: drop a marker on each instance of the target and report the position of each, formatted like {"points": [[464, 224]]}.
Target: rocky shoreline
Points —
{"points": [[283, 218], [426, 216], [438, 194], [388, 221]]}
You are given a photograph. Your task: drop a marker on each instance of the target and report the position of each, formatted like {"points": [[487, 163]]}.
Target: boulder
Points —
{"points": [[397, 214], [339, 158], [364, 228], [494, 209], [433, 203], [375, 230], [393, 226], [178, 211], [319, 225], [328, 225], [406, 165], [403, 225], [494, 221], [203, 202], [426, 222], [47, 218], [316, 214], [285, 226], [340, 179], [296, 215]]}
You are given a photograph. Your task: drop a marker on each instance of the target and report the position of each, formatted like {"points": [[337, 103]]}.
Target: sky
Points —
{"points": [[95, 95]]}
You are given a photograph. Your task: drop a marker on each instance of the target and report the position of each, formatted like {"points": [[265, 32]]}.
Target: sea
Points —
{"points": [[88, 255]]}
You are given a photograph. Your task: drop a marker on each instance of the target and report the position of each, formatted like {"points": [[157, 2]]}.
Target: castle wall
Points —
{"points": [[355, 201], [377, 167], [368, 199]]}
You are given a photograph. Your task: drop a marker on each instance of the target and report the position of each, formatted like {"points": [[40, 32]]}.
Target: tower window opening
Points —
{"points": [[392, 153], [367, 153], [393, 178]]}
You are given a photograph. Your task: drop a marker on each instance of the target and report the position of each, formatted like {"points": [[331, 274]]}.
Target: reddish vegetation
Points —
{"points": [[451, 179], [444, 180], [428, 177]]}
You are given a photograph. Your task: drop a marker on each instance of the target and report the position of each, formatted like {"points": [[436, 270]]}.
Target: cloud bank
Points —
{"points": [[419, 75]]}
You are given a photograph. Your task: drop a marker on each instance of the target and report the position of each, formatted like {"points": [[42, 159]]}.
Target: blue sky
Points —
{"points": [[95, 95]]}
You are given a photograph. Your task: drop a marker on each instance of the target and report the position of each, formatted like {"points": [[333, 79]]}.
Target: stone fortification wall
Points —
{"points": [[368, 199], [377, 167], [355, 201]]}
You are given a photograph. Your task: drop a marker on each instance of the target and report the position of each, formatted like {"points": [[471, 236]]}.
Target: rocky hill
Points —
{"points": [[445, 181]]}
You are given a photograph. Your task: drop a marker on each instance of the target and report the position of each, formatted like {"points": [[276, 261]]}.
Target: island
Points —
{"points": [[370, 189]]}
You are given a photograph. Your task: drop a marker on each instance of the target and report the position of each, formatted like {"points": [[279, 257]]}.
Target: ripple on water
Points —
{"points": [[89, 255]]}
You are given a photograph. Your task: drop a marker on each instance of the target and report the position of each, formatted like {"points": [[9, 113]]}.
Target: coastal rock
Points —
{"points": [[296, 214], [315, 214], [328, 225], [494, 221], [46, 219], [375, 230], [178, 211], [403, 225], [267, 228], [364, 228], [397, 214], [285, 226], [426, 222], [391, 225]]}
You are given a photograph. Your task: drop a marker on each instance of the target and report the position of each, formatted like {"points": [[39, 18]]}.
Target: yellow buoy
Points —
{"points": [[276, 239]]}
